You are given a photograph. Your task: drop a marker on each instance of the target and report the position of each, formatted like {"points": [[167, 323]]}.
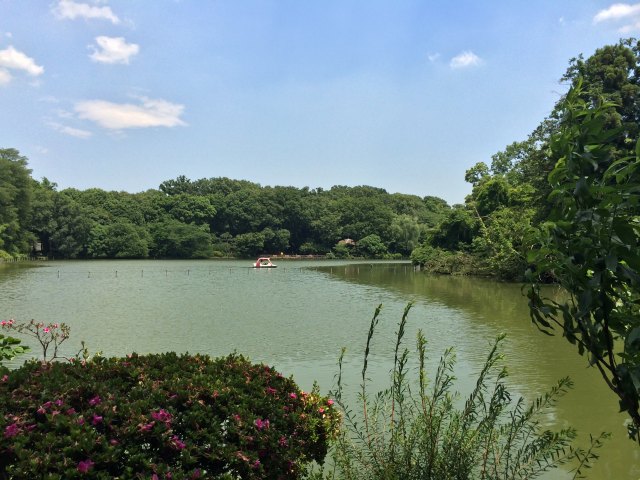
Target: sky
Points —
{"points": [[403, 95]]}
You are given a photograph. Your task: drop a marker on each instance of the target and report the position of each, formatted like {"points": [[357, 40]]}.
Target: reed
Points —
{"points": [[421, 428]]}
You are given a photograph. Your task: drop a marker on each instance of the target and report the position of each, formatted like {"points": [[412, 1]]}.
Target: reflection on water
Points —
{"points": [[297, 317]]}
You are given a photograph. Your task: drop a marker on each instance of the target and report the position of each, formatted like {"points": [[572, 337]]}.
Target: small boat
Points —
{"points": [[264, 262]]}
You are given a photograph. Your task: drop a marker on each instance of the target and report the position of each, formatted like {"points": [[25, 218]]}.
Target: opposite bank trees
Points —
{"points": [[590, 244]]}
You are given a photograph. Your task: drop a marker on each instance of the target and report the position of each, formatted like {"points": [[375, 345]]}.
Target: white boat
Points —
{"points": [[264, 262]]}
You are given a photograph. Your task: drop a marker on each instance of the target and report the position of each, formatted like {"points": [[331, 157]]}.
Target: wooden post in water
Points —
{"points": [[116, 273], [142, 273], [58, 273]]}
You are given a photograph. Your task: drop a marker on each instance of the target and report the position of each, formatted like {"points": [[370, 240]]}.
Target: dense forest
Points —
{"points": [[490, 234], [500, 221], [206, 218]]}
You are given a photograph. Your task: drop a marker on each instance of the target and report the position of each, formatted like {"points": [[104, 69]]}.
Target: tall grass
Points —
{"points": [[420, 428]]}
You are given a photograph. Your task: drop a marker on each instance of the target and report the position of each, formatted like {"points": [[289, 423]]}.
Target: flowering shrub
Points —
{"points": [[159, 417], [49, 335]]}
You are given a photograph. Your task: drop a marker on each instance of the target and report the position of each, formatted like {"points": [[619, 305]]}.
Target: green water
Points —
{"points": [[298, 316]]}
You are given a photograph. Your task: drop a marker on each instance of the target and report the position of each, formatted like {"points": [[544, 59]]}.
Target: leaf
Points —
{"points": [[633, 338]]}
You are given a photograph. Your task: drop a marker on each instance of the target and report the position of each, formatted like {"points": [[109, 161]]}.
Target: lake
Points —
{"points": [[298, 317]]}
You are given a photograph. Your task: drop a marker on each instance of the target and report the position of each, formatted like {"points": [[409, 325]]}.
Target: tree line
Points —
{"points": [[209, 217]]}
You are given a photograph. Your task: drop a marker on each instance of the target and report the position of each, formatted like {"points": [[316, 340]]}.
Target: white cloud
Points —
{"points": [[617, 11], [629, 14], [72, 10], [118, 116], [433, 57], [633, 27], [73, 132], [465, 60], [5, 77], [113, 50], [12, 58]]}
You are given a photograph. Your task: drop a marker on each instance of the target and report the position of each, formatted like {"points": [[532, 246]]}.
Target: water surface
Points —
{"points": [[298, 316]]}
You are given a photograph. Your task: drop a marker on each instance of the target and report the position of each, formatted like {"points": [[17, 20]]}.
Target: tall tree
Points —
{"points": [[15, 202], [590, 246]]}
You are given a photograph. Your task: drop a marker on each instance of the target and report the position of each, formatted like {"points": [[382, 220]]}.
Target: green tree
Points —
{"points": [[69, 227], [173, 239], [613, 74], [590, 247], [371, 246], [405, 233], [15, 202], [457, 230], [477, 173], [249, 244], [123, 240]]}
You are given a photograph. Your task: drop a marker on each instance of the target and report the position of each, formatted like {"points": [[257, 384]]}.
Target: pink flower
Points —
{"points": [[85, 465], [271, 390], [11, 430], [256, 464], [80, 421], [147, 427], [155, 477], [59, 402], [283, 441], [293, 395], [114, 442], [321, 410], [97, 419], [71, 411], [195, 474], [161, 415], [46, 330], [260, 424], [55, 325], [5, 378], [177, 443], [95, 401], [329, 402]]}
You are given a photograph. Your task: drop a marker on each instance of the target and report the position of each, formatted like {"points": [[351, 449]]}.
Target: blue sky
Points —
{"points": [[403, 95]]}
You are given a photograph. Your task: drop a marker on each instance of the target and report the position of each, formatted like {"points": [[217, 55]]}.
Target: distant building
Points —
{"points": [[347, 241]]}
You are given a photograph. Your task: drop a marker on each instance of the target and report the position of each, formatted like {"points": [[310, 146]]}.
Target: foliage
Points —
{"points": [[15, 202], [413, 430], [159, 416], [437, 260], [590, 246], [50, 335], [371, 246], [173, 239], [201, 218], [9, 346], [515, 184]]}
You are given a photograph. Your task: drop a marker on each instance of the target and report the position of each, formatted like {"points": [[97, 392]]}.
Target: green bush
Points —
{"points": [[438, 260], [422, 428], [159, 416]]}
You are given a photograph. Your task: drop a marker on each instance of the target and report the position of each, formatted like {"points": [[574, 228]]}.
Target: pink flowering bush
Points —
{"points": [[159, 417], [50, 336]]}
